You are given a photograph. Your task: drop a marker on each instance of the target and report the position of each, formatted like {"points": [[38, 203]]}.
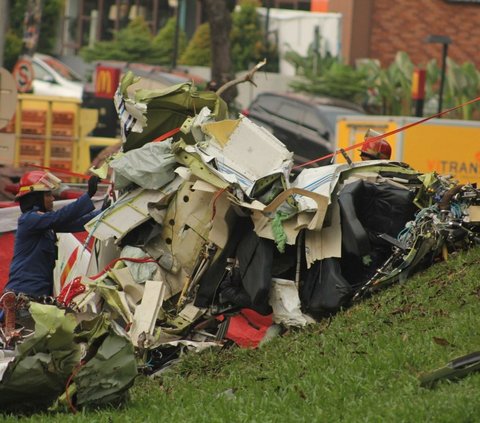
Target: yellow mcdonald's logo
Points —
{"points": [[106, 81], [103, 82]]}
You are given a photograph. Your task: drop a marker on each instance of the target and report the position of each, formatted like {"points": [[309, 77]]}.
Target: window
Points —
{"points": [[40, 73], [290, 110], [62, 69], [312, 121], [267, 102]]}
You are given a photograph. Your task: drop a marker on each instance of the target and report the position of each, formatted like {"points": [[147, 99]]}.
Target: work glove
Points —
{"points": [[92, 185]]}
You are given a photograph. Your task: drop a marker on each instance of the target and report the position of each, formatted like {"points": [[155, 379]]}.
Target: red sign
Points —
{"points": [[418, 84], [106, 81], [23, 74]]}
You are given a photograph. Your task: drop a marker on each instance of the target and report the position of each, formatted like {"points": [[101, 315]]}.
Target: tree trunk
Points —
{"points": [[220, 20]]}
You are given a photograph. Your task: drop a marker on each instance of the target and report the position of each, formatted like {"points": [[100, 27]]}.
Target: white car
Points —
{"points": [[54, 78]]}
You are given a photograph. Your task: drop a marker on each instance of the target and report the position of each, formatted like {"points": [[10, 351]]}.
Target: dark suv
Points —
{"points": [[305, 124]]}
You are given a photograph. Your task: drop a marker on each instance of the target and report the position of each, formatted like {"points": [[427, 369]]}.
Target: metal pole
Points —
{"points": [[267, 25], [177, 34], [92, 34], [442, 76]]}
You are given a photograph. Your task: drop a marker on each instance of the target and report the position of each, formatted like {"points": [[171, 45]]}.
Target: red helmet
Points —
{"points": [[37, 180], [376, 149]]}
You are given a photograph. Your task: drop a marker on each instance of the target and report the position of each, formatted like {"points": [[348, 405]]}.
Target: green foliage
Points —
{"points": [[325, 75], [462, 84], [135, 39], [248, 39], [389, 88], [163, 43], [360, 366], [311, 65], [17, 15], [51, 12], [270, 53], [132, 44], [245, 36], [13, 48], [432, 75], [338, 81], [198, 51]]}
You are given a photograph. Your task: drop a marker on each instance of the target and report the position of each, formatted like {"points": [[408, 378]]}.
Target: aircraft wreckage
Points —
{"points": [[210, 239]]}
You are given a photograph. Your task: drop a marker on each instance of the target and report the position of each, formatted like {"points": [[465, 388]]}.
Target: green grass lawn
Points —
{"points": [[360, 366]]}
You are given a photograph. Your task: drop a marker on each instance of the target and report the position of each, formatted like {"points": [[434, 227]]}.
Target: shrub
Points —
{"points": [[131, 44], [13, 48], [51, 12], [198, 51], [245, 36], [162, 44]]}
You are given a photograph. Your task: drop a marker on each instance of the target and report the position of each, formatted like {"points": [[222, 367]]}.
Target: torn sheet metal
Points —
{"points": [[140, 271], [167, 109], [326, 242], [157, 248], [188, 315], [103, 253], [194, 345], [246, 151], [72, 261], [321, 204], [115, 300], [149, 167], [194, 125], [130, 211], [222, 217], [263, 219], [146, 313], [221, 132], [132, 289], [188, 156], [6, 356], [209, 232], [189, 223], [111, 369], [473, 213], [320, 180], [174, 282], [131, 113], [43, 362]]}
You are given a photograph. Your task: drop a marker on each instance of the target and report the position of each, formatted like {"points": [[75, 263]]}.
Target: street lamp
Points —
{"points": [[445, 41]]}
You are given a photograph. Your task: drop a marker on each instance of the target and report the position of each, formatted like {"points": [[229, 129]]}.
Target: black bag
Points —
{"points": [[325, 290]]}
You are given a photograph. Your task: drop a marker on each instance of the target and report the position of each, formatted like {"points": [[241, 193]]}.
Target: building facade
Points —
{"points": [[378, 29]]}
